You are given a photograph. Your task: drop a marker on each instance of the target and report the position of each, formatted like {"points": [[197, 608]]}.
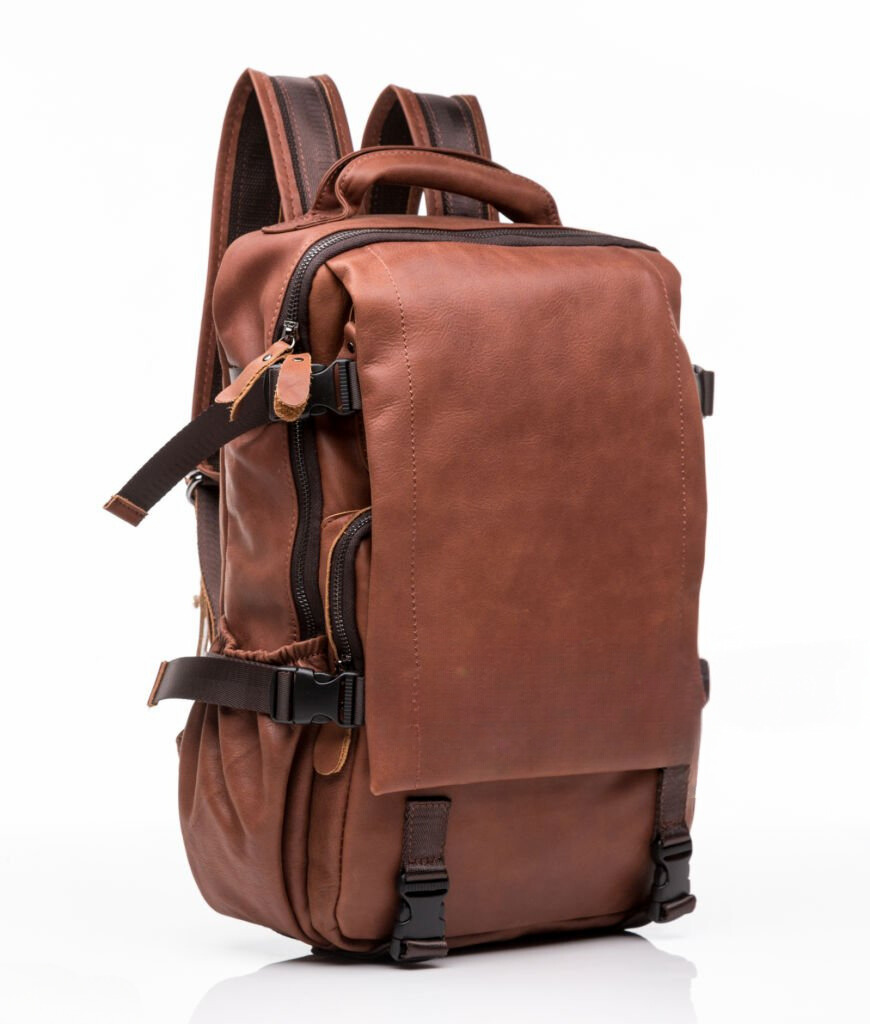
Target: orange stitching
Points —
{"points": [[412, 565], [289, 177]]}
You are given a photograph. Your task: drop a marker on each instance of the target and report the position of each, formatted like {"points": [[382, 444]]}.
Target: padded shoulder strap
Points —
{"points": [[404, 118], [279, 137]]}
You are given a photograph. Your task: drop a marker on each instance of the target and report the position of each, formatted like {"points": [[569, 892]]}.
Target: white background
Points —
{"points": [[732, 136]]}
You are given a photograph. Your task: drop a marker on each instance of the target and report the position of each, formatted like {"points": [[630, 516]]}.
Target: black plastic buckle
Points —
{"points": [[334, 389], [419, 931], [706, 381], [671, 896], [301, 696]]}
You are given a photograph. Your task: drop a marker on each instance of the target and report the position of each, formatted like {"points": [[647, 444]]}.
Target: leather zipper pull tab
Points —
{"points": [[293, 387], [235, 392]]}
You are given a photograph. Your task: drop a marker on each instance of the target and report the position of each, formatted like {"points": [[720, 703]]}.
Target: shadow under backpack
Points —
{"points": [[448, 476]]}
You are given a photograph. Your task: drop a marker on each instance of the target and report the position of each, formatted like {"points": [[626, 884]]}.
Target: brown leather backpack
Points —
{"points": [[448, 475]]}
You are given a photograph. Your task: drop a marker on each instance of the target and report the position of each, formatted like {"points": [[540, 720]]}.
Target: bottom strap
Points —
{"points": [[287, 694], [419, 932], [671, 848]]}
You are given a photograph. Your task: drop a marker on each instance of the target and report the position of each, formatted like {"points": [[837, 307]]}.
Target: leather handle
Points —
{"points": [[347, 183]]}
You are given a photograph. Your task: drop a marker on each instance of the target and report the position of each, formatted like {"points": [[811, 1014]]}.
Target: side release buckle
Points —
{"points": [[301, 696]]}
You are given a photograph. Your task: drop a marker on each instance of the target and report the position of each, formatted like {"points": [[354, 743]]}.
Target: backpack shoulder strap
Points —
{"points": [[401, 117], [280, 135]]}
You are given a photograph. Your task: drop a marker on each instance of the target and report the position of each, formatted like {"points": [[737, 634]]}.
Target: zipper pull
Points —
{"points": [[293, 387], [290, 333]]}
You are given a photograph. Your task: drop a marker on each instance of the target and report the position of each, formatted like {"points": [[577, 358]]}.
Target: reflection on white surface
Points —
{"points": [[619, 978]]}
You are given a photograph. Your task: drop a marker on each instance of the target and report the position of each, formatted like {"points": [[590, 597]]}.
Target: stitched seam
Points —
{"points": [[474, 147], [347, 171], [300, 148], [342, 131], [331, 134], [340, 879], [283, 145], [412, 565], [684, 511]]}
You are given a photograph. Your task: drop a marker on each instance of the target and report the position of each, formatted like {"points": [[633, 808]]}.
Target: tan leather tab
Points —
{"points": [[236, 391], [331, 749], [152, 696], [124, 509], [293, 387]]}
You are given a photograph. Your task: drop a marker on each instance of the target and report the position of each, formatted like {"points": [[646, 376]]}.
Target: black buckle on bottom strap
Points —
{"points": [[301, 696], [418, 933], [671, 895]]}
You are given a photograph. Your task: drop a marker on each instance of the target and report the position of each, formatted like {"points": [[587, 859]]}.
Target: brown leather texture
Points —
{"points": [[344, 189], [530, 447], [579, 550]]}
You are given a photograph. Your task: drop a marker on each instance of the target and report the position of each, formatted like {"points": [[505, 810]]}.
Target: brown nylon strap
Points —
{"points": [[404, 118], [195, 443], [289, 694], [672, 847], [419, 931]]}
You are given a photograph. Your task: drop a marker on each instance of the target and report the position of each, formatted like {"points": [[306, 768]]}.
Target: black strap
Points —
{"points": [[706, 380], [419, 932], [334, 388], [287, 694], [671, 848]]}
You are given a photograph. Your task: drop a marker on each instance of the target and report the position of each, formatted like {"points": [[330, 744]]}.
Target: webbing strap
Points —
{"points": [[419, 932], [289, 695], [671, 847], [334, 388], [401, 117]]}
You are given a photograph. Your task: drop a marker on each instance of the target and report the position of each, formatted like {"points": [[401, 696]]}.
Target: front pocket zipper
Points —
{"points": [[341, 595], [294, 323]]}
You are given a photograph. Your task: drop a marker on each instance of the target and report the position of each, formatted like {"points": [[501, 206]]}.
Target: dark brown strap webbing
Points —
{"points": [[334, 389], [290, 695], [404, 118], [279, 137], [419, 931], [671, 847]]}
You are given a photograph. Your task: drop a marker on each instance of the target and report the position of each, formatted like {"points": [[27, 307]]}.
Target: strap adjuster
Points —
{"points": [[706, 381], [301, 696], [671, 895], [418, 933], [195, 480], [334, 389]]}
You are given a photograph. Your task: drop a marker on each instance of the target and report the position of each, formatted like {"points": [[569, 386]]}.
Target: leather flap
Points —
{"points": [[536, 456]]}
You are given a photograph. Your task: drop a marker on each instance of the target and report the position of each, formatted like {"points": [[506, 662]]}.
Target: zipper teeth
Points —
{"points": [[299, 591], [291, 308], [340, 637]]}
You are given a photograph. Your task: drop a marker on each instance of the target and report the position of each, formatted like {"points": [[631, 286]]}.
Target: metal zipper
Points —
{"points": [[293, 326], [342, 594]]}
